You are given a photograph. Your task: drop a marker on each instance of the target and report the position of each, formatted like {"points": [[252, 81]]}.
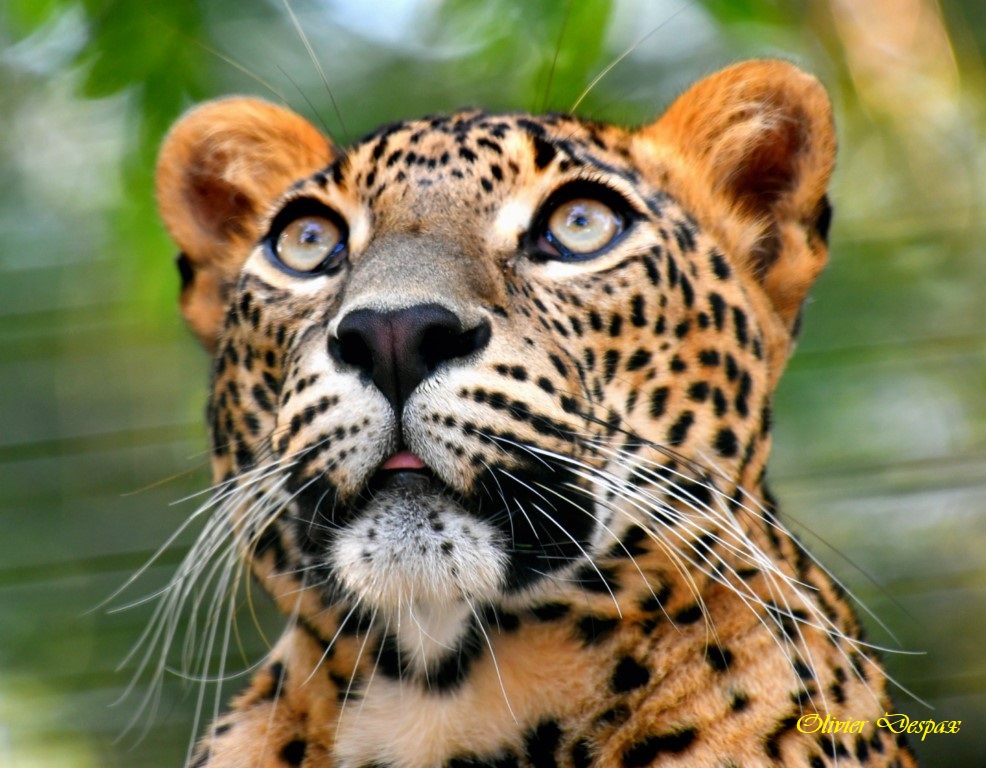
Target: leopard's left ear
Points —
{"points": [[751, 149], [221, 168]]}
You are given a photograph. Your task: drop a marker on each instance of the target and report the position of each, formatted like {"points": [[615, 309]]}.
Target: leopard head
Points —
{"points": [[457, 360]]}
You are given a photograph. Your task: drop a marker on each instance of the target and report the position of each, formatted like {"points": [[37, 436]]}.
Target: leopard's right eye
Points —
{"points": [[579, 222], [308, 242]]}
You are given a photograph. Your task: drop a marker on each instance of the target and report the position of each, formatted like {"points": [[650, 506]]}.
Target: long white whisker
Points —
{"points": [[318, 66], [496, 665]]}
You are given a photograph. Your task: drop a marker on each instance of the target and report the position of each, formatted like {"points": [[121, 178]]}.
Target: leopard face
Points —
{"points": [[454, 334], [476, 368], [450, 394]]}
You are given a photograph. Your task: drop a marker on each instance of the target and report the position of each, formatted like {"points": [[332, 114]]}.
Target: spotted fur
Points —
{"points": [[511, 498]]}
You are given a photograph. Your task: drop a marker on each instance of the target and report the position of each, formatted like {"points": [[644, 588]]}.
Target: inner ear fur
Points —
{"points": [[751, 150], [220, 168]]}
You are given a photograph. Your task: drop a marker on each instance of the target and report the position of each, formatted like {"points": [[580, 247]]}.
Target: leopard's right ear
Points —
{"points": [[221, 167]]}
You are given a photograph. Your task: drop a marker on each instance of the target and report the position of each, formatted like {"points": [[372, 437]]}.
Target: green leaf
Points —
{"points": [[27, 16]]}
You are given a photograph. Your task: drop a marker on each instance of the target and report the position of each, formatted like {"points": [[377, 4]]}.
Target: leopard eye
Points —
{"points": [[583, 225], [581, 222], [310, 244]]}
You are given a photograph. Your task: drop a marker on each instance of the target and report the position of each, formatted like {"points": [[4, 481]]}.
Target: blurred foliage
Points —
{"points": [[881, 436]]}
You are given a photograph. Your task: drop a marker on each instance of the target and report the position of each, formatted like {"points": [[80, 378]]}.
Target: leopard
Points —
{"points": [[489, 419]]}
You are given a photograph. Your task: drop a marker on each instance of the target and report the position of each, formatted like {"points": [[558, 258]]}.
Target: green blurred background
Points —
{"points": [[880, 457]]}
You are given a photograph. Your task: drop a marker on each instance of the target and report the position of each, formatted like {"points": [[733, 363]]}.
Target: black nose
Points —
{"points": [[399, 349]]}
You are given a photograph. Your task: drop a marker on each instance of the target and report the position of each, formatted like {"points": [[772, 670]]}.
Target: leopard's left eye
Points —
{"points": [[581, 224], [584, 225], [307, 239]]}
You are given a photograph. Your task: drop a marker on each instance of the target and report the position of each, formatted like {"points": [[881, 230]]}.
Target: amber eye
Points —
{"points": [[310, 244], [583, 225], [581, 222]]}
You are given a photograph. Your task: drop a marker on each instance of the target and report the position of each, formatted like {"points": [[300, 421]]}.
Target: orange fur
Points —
{"points": [[750, 150], [220, 168]]}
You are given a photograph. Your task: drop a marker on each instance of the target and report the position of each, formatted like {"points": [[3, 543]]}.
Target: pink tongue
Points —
{"points": [[403, 460]]}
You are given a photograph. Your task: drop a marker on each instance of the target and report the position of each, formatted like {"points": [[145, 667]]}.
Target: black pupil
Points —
{"points": [[312, 234]]}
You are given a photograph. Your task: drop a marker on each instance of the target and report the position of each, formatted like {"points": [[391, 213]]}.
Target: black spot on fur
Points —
{"points": [[803, 670], [504, 621], [719, 658], [559, 364], [595, 629], [718, 305], [679, 430], [610, 361], [876, 741], [709, 358], [688, 615], [638, 360], [726, 444], [687, 292], [739, 702], [658, 402], [598, 579], [629, 675], [741, 401], [506, 759], [270, 541], [802, 697], [544, 152], [389, 660], [862, 749], [615, 325], [719, 265], [650, 264], [833, 747], [646, 750], [293, 752], [631, 545], [550, 611], [740, 326], [581, 754], [699, 392], [614, 715], [773, 739], [278, 676], [541, 743], [638, 314]]}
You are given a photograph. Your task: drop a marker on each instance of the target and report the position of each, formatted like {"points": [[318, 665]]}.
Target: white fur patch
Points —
{"points": [[415, 550]]}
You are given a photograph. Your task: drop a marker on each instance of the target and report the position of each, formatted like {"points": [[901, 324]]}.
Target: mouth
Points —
{"points": [[403, 522], [409, 539], [404, 460], [404, 470]]}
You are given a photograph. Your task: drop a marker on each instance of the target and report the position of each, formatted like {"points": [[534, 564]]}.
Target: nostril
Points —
{"points": [[397, 349], [352, 349], [441, 343]]}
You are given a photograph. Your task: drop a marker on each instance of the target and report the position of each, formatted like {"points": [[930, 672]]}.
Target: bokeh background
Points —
{"points": [[880, 455]]}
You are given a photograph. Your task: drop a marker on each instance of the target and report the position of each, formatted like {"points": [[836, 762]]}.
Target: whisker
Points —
{"points": [[496, 666], [373, 670], [613, 64], [318, 66]]}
